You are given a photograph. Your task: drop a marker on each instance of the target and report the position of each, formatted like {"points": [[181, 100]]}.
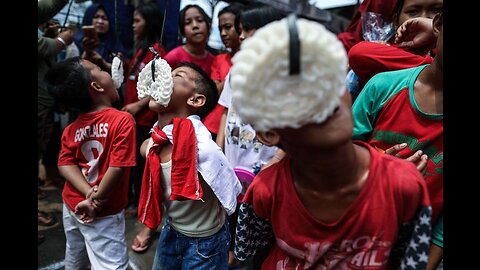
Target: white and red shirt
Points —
{"points": [[392, 209], [95, 141]]}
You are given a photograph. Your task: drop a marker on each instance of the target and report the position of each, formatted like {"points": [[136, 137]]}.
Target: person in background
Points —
{"points": [[147, 30], [369, 58], [102, 50], [222, 62], [48, 49], [354, 32], [194, 25]]}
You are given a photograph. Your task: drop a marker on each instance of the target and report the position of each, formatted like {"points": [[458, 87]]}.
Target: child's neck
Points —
{"points": [[331, 170], [99, 106], [428, 89], [165, 118], [197, 51]]}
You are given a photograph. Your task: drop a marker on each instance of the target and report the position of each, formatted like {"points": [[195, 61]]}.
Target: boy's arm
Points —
{"points": [[143, 148], [435, 255], [220, 140], [86, 211], [110, 180], [74, 176]]}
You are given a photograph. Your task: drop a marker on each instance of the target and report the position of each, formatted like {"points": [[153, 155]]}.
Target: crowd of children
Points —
{"points": [[259, 154]]}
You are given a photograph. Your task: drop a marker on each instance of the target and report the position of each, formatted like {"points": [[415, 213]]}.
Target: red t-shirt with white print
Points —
{"points": [[94, 142], [394, 199]]}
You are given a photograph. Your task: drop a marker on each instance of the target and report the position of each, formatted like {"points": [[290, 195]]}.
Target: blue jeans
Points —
{"points": [[178, 251]]}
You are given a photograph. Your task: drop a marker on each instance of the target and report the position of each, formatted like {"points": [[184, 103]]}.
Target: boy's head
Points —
{"points": [[407, 9], [192, 86], [185, 90], [266, 94], [75, 83]]}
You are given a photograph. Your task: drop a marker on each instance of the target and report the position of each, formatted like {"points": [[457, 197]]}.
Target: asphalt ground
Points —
{"points": [[51, 252]]}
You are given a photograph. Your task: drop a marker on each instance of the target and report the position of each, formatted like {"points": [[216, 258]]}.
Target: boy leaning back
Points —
{"points": [[330, 203], [97, 153], [186, 178]]}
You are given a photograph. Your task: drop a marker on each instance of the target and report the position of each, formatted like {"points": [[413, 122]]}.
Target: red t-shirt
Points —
{"points": [[96, 141], [363, 238], [145, 117], [179, 54], [221, 66], [369, 58]]}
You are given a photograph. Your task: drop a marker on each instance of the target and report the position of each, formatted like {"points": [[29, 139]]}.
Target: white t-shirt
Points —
{"points": [[242, 148]]}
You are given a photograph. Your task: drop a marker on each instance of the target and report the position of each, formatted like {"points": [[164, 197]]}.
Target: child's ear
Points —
{"points": [[96, 87], [437, 24], [197, 100], [270, 138]]}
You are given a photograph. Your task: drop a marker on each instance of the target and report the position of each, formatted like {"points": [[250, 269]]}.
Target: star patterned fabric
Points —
{"points": [[414, 241], [252, 232]]}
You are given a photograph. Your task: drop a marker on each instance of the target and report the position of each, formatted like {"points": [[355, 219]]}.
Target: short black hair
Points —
{"points": [[181, 18], [257, 16], [235, 8], [68, 82], [205, 86]]}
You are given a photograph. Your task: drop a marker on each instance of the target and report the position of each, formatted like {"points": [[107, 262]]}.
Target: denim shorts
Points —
{"points": [[178, 251]]}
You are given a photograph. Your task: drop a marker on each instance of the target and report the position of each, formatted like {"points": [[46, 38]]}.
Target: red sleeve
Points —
{"points": [[259, 194], [369, 58], [212, 120], [216, 67], [67, 154], [123, 152]]}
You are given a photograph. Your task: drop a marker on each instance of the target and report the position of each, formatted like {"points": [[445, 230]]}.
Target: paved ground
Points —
{"points": [[52, 251]]}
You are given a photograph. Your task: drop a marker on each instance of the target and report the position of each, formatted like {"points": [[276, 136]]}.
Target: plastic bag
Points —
{"points": [[375, 28]]}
